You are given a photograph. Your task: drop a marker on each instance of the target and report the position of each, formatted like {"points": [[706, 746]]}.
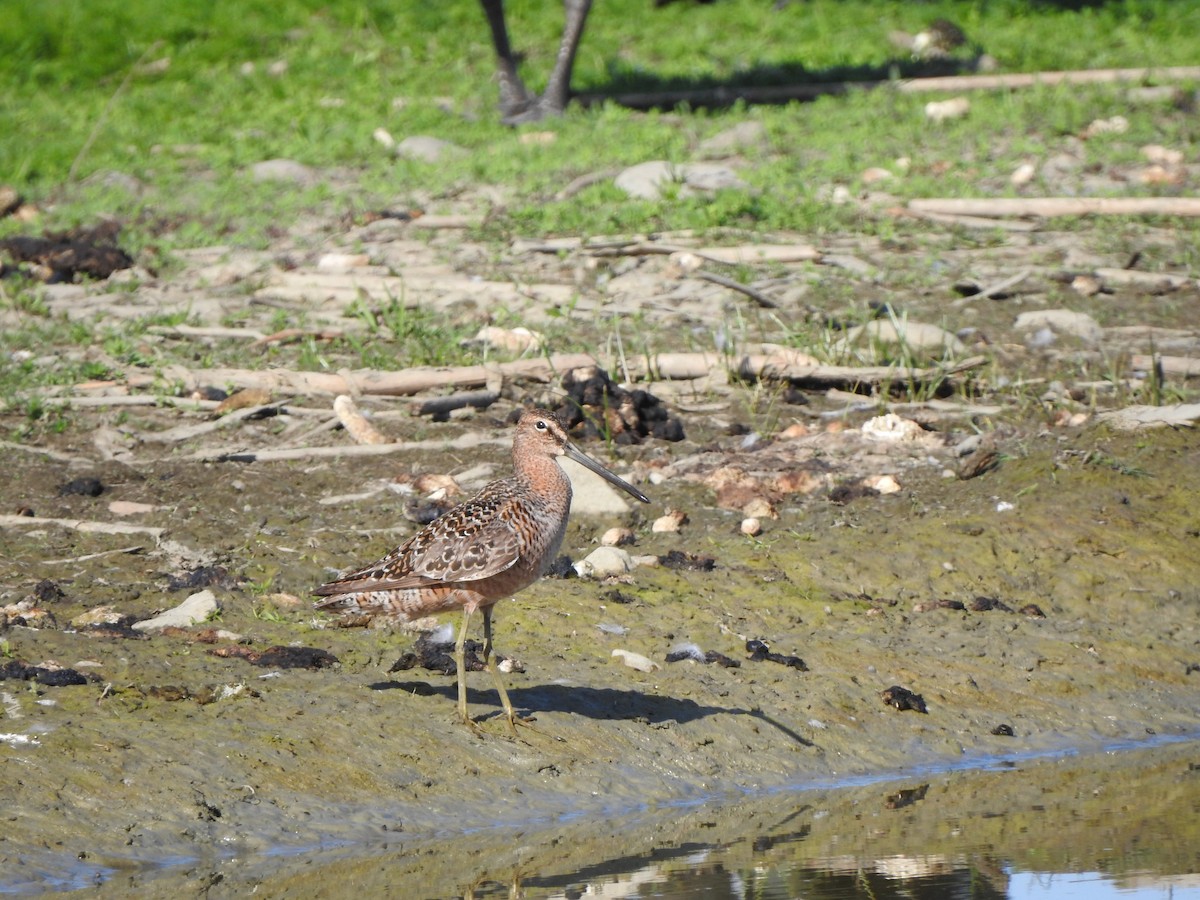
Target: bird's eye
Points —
{"points": [[541, 425]]}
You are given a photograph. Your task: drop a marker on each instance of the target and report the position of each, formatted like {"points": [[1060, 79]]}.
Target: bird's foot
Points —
{"points": [[535, 109]]}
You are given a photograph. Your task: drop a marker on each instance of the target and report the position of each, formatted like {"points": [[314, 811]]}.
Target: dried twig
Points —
{"points": [[187, 432], [992, 289], [79, 525], [88, 556], [224, 454], [441, 406], [757, 296], [356, 423]]}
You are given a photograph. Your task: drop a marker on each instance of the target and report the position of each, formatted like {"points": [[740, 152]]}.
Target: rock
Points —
{"points": [[97, 615], [885, 484], [283, 170], [604, 562], [617, 537], [744, 135], [891, 428], [669, 523], [942, 110], [874, 175], [340, 262], [1022, 175], [384, 138], [916, 337], [592, 495], [636, 660], [1113, 125], [647, 180], [751, 527], [1134, 417], [512, 340], [129, 508], [195, 608], [423, 148], [1061, 321]]}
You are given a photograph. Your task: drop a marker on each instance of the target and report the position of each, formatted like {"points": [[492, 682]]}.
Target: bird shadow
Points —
{"points": [[611, 704]]}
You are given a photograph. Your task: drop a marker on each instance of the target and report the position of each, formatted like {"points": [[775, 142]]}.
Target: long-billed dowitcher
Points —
{"points": [[488, 548]]}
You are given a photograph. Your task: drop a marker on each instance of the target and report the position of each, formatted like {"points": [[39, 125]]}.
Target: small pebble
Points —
{"points": [[617, 537], [751, 527], [669, 523]]}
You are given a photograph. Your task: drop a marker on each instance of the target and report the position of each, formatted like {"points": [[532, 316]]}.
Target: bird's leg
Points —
{"points": [[489, 659], [460, 663], [558, 88], [515, 98]]}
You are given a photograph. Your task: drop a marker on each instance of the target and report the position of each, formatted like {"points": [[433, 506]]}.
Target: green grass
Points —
{"points": [[181, 99]]}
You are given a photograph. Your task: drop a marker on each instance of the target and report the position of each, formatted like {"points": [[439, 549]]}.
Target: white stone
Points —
{"points": [[636, 660], [428, 149], [604, 562], [1061, 321], [196, 608]]}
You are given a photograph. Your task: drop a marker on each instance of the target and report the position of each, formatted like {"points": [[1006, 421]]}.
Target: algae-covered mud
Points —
{"points": [[179, 757]]}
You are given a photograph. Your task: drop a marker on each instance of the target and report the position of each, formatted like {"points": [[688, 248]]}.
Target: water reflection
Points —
{"points": [[1103, 827], [1109, 825]]}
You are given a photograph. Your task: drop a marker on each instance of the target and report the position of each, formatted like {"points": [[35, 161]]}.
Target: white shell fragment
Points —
{"points": [[636, 660], [891, 427]]}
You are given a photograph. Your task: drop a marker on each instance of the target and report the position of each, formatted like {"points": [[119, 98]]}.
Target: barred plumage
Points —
{"points": [[488, 548]]}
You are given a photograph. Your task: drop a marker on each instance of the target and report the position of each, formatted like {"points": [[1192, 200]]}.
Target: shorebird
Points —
{"points": [[480, 552]]}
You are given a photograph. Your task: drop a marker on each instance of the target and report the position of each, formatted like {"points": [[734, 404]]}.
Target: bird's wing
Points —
{"points": [[475, 540]]}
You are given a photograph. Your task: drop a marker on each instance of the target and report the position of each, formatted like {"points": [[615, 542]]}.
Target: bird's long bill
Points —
{"points": [[586, 461]]}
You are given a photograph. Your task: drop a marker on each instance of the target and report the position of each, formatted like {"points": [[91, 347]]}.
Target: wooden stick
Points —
{"points": [[443, 406], [760, 298], [79, 525], [187, 432], [1171, 365], [210, 331], [356, 423], [403, 383], [992, 289], [1060, 206], [1159, 280], [224, 454], [76, 559]]}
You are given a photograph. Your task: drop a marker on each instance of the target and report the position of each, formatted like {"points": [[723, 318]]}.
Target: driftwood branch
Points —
{"points": [[1171, 365], [403, 383], [224, 454], [79, 525], [1059, 206], [794, 366]]}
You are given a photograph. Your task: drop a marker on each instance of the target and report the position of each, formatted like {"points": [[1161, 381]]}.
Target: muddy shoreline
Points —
{"points": [[173, 753]]}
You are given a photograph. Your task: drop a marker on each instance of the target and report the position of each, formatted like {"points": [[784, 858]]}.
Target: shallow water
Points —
{"points": [[1122, 823]]}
